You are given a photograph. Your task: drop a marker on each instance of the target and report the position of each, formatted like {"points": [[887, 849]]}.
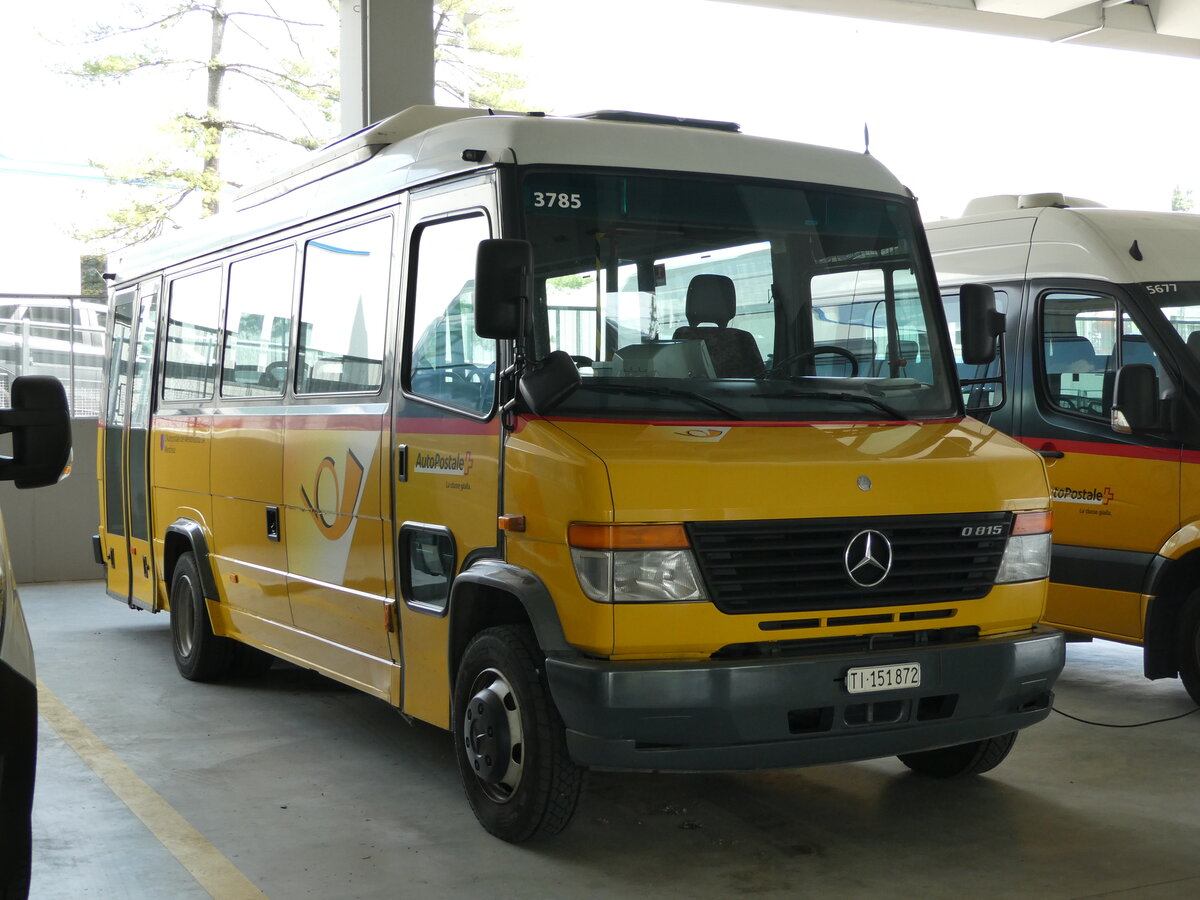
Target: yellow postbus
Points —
{"points": [[610, 441], [1100, 375]]}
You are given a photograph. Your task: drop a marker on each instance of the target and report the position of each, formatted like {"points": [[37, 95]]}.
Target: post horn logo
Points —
{"points": [[868, 558], [335, 503]]}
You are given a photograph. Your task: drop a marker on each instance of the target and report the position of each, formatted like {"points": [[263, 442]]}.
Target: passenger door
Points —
{"points": [[446, 432], [125, 509], [1116, 496]]}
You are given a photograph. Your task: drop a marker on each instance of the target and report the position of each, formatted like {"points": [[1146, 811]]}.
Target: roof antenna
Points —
{"points": [[866, 140]]}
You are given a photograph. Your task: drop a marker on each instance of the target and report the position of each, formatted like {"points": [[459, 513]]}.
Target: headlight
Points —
{"points": [[615, 564], [1027, 556]]}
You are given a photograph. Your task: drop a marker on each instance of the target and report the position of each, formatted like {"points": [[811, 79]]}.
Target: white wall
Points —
{"points": [[50, 529]]}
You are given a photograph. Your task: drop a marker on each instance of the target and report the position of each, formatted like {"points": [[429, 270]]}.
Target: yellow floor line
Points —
{"points": [[206, 863]]}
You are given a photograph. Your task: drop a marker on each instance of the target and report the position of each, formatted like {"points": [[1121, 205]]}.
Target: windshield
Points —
{"points": [[1179, 304], [689, 297]]}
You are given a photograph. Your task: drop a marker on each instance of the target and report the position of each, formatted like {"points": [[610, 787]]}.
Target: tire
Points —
{"points": [[972, 758], [510, 742], [1189, 647], [199, 654]]}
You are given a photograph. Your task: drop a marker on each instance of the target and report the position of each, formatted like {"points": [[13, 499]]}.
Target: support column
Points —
{"points": [[386, 59]]}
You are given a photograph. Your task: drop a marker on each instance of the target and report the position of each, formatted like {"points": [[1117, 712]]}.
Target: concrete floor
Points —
{"points": [[293, 786]]}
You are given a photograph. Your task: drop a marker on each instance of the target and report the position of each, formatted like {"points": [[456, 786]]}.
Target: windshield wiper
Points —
{"points": [[611, 388], [844, 397]]}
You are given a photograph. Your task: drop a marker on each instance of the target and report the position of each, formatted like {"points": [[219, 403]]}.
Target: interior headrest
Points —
{"points": [[710, 298]]}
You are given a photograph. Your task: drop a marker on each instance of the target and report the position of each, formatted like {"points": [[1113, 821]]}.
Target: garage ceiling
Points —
{"points": [[1170, 27]]}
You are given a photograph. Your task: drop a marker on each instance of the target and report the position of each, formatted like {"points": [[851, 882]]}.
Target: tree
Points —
{"points": [[286, 66], [1181, 200], [470, 66]]}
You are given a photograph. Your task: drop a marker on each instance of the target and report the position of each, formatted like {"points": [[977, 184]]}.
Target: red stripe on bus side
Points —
{"points": [[1100, 448], [740, 423]]}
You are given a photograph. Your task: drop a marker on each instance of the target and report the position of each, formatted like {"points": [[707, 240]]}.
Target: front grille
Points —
{"points": [[798, 565]]}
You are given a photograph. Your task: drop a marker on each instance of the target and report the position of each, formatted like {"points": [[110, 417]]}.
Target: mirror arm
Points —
{"points": [[511, 373]]}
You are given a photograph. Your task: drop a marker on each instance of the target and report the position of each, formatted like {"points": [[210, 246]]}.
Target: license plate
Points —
{"points": [[867, 679]]}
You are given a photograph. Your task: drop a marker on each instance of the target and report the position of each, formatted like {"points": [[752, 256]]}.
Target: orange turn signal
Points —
{"points": [[1033, 522], [627, 537]]}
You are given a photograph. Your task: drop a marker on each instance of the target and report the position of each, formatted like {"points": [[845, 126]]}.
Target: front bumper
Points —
{"points": [[757, 714]]}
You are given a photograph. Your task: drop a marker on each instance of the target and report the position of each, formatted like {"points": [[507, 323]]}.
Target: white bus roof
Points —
{"points": [[1092, 242], [422, 144]]}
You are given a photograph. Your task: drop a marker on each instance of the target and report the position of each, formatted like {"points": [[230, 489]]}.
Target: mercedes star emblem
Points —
{"points": [[868, 558]]}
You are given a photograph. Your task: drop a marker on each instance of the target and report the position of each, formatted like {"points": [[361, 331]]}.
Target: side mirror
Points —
{"points": [[503, 281], [549, 383], [40, 424], [1135, 399], [981, 324]]}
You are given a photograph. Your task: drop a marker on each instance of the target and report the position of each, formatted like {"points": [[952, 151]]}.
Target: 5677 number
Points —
{"points": [[555, 200]]}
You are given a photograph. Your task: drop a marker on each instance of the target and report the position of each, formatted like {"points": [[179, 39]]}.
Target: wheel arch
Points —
{"points": [[492, 592], [1169, 585], [187, 536]]}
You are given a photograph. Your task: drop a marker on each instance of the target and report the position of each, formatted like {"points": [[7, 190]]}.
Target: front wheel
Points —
{"points": [[510, 743], [971, 758], [199, 654]]}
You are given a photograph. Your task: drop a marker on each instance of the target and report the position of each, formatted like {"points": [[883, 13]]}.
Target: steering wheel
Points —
{"points": [[829, 349], [276, 371]]}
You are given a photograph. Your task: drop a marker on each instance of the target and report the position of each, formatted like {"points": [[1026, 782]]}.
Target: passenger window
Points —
{"points": [[258, 325], [343, 310], [1086, 337], [447, 361], [192, 321]]}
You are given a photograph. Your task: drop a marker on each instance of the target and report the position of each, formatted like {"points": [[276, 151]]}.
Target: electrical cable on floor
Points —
{"points": [[1134, 725]]}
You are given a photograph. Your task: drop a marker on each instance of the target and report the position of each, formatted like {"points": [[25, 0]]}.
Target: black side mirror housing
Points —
{"points": [[1136, 405], [503, 283], [549, 383], [981, 324], [40, 424]]}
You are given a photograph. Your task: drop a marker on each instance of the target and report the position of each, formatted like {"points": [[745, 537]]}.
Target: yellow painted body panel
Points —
{"points": [[1117, 615], [697, 630], [1118, 502], [566, 471], [1138, 505], [335, 535], [324, 595], [113, 543], [451, 480]]}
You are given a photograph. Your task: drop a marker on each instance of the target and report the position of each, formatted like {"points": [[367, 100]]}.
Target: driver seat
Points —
{"points": [[734, 352]]}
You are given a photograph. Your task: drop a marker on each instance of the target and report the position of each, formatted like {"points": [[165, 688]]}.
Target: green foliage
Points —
{"points": [[470, 66], [1181, 200], [294, 97]]}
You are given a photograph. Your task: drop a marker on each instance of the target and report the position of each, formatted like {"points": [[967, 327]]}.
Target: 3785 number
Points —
{"points": [[556, 200]]}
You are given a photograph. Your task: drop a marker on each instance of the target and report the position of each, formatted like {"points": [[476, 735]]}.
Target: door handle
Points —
{"points": [[1050, 453], [273, 523]]}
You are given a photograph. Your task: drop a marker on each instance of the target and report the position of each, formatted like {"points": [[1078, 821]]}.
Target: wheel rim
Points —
{"points": [[183, 615], [493, 739]]}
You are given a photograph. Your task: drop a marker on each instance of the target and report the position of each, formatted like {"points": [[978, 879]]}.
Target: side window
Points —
{"points": [[982, 387], [343, 310], [447, 362], [258, 324], [1086, 337], [192, 320]]}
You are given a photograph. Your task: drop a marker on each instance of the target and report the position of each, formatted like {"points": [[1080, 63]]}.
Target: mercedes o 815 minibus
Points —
{"points": [[613, 441]]}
